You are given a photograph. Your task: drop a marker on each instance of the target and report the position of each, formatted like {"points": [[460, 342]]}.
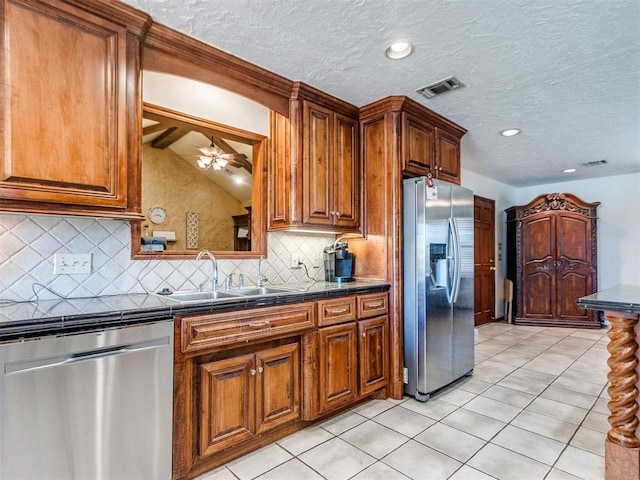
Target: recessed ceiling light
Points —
{"points": [[569, 170], [510, 132], [398, 50]]}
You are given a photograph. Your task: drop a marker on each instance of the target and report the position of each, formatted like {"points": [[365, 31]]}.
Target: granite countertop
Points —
{"points": [[621, 298], [49, 317]]}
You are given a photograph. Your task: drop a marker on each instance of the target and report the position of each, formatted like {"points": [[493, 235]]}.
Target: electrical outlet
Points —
{"points": [[71, 263], [316, 261], [296, 260]]}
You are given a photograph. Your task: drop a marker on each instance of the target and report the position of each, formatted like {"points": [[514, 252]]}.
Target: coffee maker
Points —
{"points": [[338, 262]]}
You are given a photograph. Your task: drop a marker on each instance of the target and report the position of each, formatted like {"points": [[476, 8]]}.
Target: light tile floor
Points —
{"points": [[535, 408]]}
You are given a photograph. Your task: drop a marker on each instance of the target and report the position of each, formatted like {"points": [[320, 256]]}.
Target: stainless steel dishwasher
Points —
{"points": [[88, 405]]}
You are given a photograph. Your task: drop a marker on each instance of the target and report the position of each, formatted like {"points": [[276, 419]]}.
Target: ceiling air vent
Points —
{"points": [[442, 86], [595, 163]]}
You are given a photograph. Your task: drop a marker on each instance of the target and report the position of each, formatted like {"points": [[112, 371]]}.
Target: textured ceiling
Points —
{"points": [[566, 72]]}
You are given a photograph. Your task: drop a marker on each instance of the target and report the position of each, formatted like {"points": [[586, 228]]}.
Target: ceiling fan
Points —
{"points": [[214, 157]]}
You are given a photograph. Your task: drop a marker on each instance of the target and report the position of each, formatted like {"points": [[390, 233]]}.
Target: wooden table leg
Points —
{"points": [[622, 447]]}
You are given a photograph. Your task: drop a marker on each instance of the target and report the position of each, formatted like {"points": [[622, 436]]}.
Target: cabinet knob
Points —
{"points": [[364, 334], [252, 371], [260, 369], [338, 214], [492, 268]]}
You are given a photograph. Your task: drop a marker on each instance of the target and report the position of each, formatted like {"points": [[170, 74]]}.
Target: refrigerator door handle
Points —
{"points": [[455, 237]]}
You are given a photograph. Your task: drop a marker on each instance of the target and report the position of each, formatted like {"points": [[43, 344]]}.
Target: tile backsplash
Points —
{"points": [[28, 244]]}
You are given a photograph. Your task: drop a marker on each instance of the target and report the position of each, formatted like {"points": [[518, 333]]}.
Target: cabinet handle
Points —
{"points": [[259, 324], [338, 310], [375, 305], [260, 369], [252, 371]]}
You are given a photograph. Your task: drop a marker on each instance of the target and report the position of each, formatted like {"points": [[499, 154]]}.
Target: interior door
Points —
{"points": [[484, 260]]}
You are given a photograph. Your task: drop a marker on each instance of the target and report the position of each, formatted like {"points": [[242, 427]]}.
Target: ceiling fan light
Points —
{"points": [[210, 151], [222, 162], [217, 166], [204, 162]]}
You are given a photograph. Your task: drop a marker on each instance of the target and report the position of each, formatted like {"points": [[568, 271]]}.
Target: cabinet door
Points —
{"points": [[277, 386], [317, 168], [447, 157], [65, 92], [419, 147], [226, 403], [373, 354], [337, 365], [538, 267], [346, 171], [573, 265]]}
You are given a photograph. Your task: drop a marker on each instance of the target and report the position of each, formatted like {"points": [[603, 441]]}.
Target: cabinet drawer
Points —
{"points": [[373, 305], [211, 330], [337, 310]]}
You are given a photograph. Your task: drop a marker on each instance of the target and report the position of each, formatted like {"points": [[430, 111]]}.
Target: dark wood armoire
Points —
{"points": [[552, 260]]}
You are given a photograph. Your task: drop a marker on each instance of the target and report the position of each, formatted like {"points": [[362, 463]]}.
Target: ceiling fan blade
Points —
{"points": [[234, 156]]}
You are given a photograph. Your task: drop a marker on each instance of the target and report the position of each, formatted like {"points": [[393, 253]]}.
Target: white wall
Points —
{"points": [[504, 196], [618, 222]]}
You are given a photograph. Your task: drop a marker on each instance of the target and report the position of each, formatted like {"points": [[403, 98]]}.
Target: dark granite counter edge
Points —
{"points": [[62, 324]]}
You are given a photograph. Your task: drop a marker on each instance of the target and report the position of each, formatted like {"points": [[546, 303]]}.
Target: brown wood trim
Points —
{"points": [[397, 103], [136, 21], [167, 50], [302, 91]]}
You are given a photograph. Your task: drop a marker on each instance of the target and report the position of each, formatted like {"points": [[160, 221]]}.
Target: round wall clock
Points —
{"points": [[157, 215]]}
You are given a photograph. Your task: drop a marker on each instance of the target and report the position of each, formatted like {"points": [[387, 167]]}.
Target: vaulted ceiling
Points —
{"points": [[567, 73]]}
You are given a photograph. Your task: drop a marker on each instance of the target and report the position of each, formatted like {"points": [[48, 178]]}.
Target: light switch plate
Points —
{"points": [[71, 263]]}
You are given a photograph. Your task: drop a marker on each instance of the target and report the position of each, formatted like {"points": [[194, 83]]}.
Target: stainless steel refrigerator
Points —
{"points": [[438, 285]]}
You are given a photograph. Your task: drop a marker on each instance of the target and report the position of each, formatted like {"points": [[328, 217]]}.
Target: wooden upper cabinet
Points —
{"points": [[430, 143], [447, 156], [419, 144], [69, 83], [316, 154]]}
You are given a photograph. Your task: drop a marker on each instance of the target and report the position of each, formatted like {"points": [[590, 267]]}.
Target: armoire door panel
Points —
{"points": [[540, 235], [572, 286], [571, 235], [539, 294]]}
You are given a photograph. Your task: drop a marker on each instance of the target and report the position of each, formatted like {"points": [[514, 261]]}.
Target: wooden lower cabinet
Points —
{"points": [[373, 353], [245, 378], [246, 395], [337, 357]]}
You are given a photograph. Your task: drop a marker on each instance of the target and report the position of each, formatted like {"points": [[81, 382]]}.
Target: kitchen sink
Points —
{"points": [[192, 296], [258, 291]]}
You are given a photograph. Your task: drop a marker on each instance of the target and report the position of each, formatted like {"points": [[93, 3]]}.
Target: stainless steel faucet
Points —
{"points": [[228, 283], [261, 279], [214, 263]]}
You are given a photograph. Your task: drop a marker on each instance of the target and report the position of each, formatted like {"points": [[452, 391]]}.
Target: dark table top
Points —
{"points": [[621, 298]]}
